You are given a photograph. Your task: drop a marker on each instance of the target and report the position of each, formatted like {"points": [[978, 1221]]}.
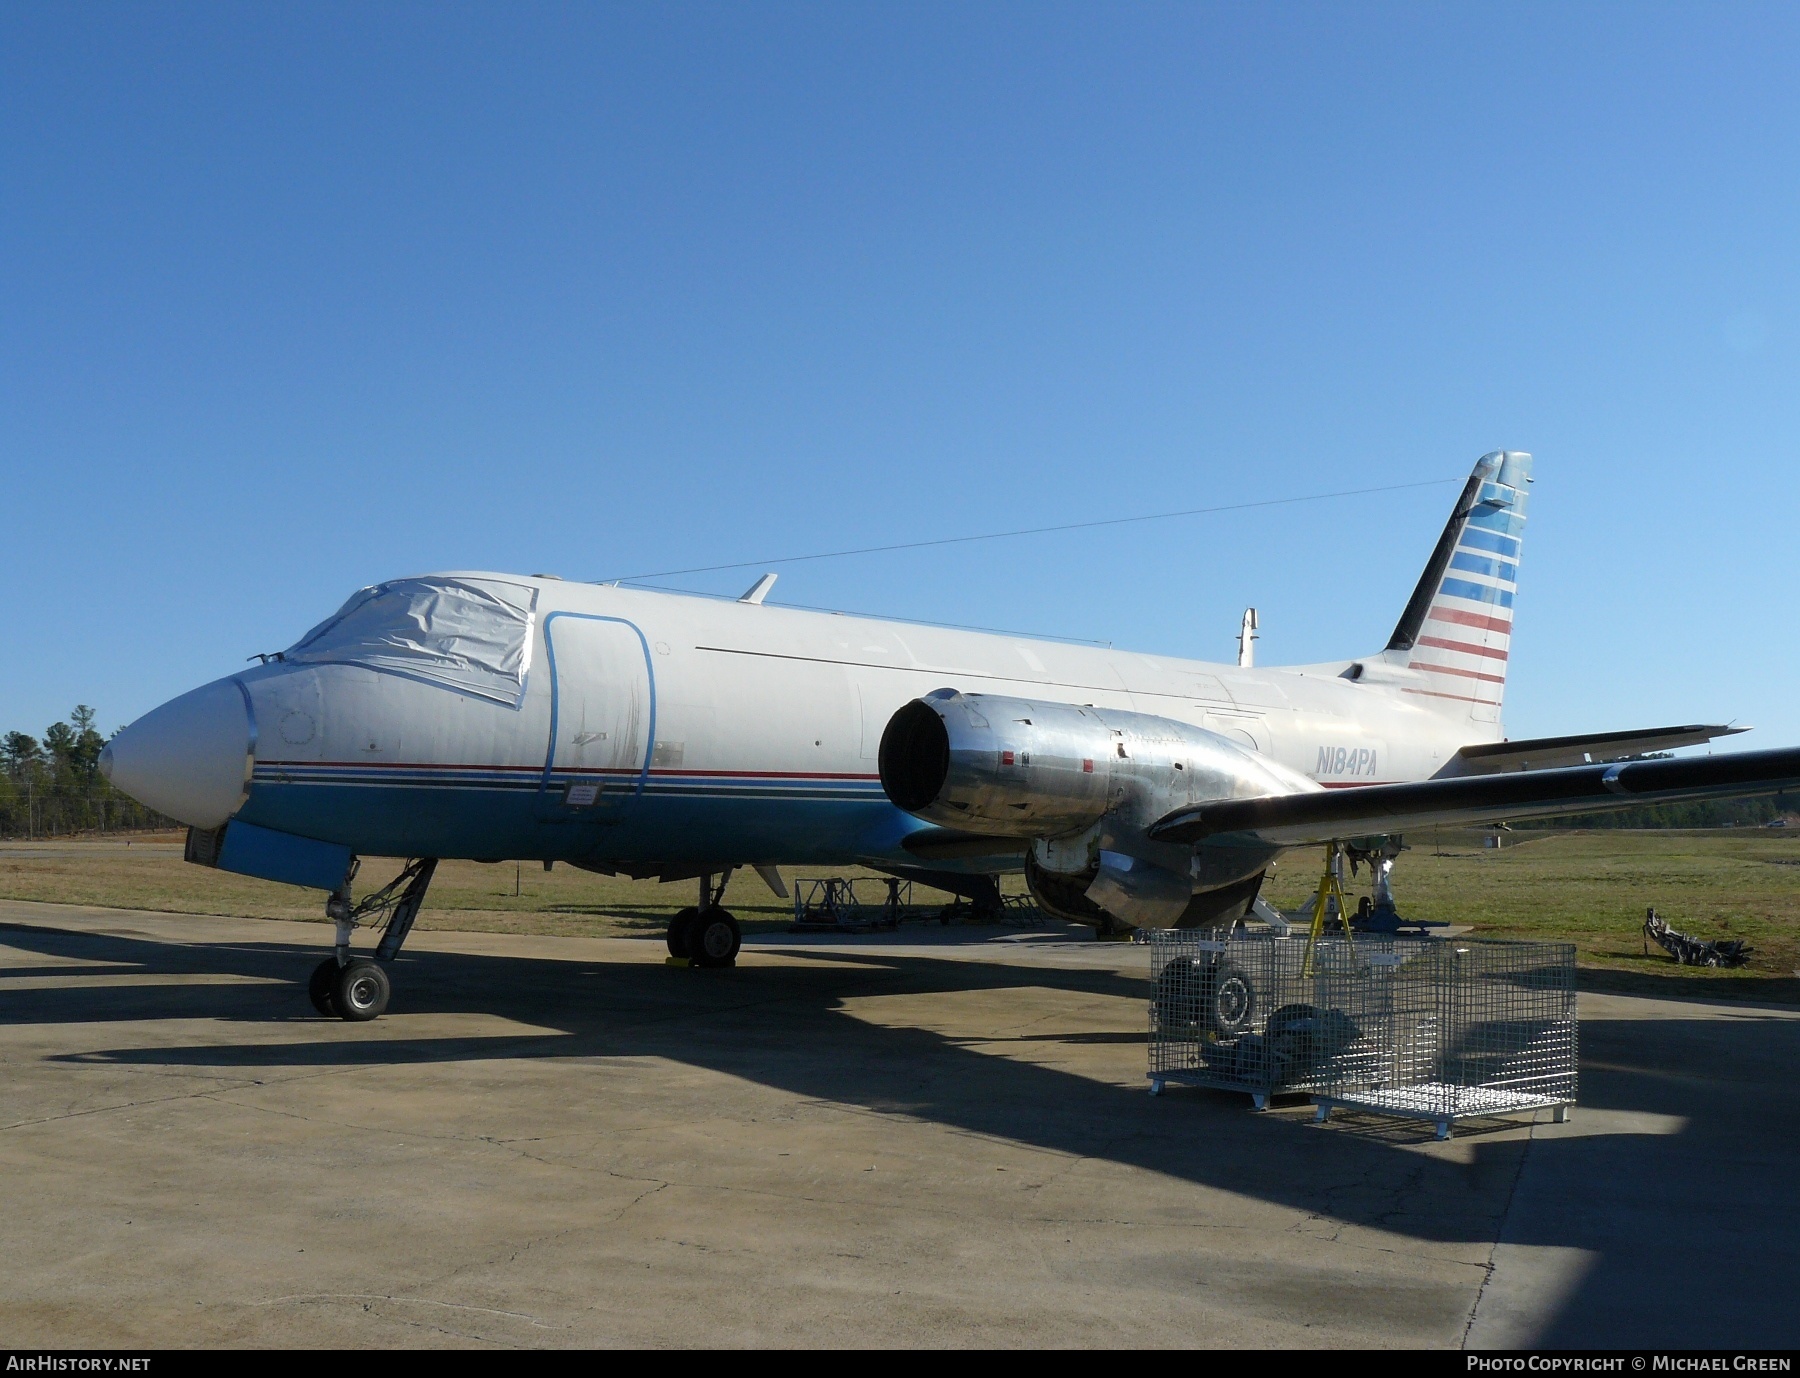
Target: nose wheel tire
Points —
{"points": [[713, 938], [678, 931], [321, 988], [361, 990]]}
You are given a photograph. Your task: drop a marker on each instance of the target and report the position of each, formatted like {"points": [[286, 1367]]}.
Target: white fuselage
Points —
{"points": [[745, 733]]}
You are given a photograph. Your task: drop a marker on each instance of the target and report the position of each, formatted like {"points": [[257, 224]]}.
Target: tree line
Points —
{"points": [[1703, 813], [52, 786]]}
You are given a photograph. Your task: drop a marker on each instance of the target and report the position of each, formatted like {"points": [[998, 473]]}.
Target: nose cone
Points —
{"points": [[190, 758]]}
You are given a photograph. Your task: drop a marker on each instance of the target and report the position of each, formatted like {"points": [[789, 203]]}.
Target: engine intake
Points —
{"points": [[914, 756]]}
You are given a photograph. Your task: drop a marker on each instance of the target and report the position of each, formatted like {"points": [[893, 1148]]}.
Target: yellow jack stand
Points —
{"points": [[1331, 888]]}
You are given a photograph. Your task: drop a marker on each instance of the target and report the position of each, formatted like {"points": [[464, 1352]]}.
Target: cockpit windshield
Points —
{"points": [[473, 635]]}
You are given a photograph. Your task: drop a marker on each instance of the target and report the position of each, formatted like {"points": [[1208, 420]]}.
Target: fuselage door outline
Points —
{"points": [[550, 804]]}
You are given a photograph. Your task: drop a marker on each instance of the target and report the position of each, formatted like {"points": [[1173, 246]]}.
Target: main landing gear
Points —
{"points": [[706, 935], [356, 988]]}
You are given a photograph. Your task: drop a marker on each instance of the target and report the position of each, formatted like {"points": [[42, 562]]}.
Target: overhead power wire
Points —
{"points": [[1034, 530]]}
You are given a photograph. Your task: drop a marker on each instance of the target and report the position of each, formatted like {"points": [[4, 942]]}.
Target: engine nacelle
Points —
{"points": [[1084, 784], [1023, 768]]}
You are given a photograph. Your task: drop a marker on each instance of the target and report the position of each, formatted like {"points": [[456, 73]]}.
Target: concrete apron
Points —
{"points": [[555, 1141]]}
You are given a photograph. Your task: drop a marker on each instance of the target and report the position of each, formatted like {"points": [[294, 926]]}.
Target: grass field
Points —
{"points": [[1590, 888], [465, 895]]}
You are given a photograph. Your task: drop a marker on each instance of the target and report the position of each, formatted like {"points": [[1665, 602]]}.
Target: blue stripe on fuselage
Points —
{"points": [[795, 825]]}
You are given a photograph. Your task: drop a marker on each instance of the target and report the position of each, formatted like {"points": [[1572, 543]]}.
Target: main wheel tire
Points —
{"points": [[714, 939], [321, 988], [1229, 1006], [362, 990], [678, 931], [1181, 991]]}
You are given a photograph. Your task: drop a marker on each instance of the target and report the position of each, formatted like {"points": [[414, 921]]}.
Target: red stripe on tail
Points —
{"points": [[1431, 669], [1467, 648], [1469, 619]]}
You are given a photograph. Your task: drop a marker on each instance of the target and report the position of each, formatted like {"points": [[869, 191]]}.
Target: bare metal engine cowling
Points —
{"points": [[1083, 784]]}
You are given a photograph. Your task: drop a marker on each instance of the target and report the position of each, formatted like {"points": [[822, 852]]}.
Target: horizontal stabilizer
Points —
{"points": [[1328, 815], [947, 844], [1594, 748]]}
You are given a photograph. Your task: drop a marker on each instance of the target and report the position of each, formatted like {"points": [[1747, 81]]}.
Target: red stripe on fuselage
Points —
{"points": [[660, 771]]}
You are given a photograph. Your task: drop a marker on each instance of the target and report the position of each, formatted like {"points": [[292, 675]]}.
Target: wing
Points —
{"points": [[1290, 819], [1544, 753]]}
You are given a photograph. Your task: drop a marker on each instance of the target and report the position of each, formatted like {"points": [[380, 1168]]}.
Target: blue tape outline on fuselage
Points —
{"points": [[556, 695]]}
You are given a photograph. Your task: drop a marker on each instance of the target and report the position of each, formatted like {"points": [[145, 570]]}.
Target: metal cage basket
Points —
{"points": [[1429, 1027]]}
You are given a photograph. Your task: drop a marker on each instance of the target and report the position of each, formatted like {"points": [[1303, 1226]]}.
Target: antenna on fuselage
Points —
{"points": [[759, 590], [1247, 639]]}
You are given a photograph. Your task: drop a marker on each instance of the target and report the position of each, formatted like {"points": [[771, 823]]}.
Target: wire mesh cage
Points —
{"points": [[1435, 1028]]}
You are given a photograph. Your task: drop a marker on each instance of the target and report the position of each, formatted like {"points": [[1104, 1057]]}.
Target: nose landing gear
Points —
{"points": [[356, 988], [356, 992]]}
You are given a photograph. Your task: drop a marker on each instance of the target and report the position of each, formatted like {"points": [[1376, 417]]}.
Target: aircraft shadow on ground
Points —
{"points": [[1690, 983], [1717, 1196]]}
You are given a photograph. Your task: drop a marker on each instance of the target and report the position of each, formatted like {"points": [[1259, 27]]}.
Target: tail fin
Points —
{"points": [[1457, 626]]}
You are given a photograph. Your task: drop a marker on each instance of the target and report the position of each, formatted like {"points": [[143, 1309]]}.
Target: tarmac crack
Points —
{"points": [[436, 1136], [517, 1252], [456, 1334], [415, 1133], [1335, 1223], [203, 1094], [640, 1198], [1107, 1150], [369, 1299], [1487, 1273], [1337, 1237]]}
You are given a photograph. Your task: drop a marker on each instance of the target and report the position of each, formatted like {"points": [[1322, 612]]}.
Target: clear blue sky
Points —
{"points": [[298, 297]]}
